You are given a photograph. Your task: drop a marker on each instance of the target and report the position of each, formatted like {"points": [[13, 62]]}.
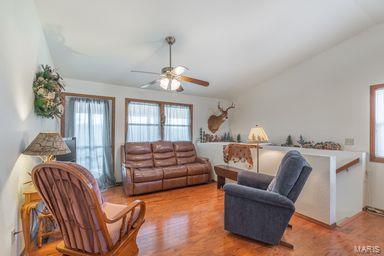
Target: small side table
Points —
{"points": [[32, 199], [225, 171]]}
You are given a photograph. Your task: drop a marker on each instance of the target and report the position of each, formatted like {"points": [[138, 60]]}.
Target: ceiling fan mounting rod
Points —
{"points": [[170, 40]]}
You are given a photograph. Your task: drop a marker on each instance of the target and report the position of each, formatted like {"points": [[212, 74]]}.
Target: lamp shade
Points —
{"points": [[257, 135], [47, 144]]}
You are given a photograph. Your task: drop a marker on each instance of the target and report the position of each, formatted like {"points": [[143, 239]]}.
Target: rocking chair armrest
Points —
{"points": [[127, 210]]}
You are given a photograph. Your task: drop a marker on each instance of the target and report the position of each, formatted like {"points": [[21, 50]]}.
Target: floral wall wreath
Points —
{"points": [[47, 87]]}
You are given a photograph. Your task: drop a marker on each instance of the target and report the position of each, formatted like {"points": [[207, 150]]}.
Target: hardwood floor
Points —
{"points": [[189, 221]]}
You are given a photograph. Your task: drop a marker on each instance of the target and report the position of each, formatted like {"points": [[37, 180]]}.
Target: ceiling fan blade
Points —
{"points": [[193, 80], [145, 72], [180, 89], [177, 71], [149, 84]]}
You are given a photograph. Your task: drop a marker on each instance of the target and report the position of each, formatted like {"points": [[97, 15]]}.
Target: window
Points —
{"points": [[155, 120], [377, 123], [143, 121], [177, 122], [91, 120]]}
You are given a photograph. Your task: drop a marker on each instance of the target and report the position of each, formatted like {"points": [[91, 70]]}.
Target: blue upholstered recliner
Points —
{"points": [[260, 206]]}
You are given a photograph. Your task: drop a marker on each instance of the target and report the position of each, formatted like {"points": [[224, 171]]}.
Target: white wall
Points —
{"points": [[323, 98], [22, 50], [203, 107]]}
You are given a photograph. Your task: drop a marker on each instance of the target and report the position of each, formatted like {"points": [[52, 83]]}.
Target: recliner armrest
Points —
{"points": [[258, 195], [127, 178], [254, 179], [202, 160], [122, 154]]}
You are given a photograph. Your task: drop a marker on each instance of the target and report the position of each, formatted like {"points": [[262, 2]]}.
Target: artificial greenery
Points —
{"points": [[47, 87], [301, 141], [289, 141], [238, 138]]}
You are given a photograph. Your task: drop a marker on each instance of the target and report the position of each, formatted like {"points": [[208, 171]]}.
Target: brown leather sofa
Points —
{"points": [[162, 165]]}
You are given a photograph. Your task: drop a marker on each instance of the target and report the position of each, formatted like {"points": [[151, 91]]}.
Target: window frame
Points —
{"points": [[112, 99], [161, 105], [372, 155]]}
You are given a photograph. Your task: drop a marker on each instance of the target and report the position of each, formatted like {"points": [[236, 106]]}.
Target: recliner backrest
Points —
{"points": [[138, 154], [293, 172], [163, 154], [185, 152]]}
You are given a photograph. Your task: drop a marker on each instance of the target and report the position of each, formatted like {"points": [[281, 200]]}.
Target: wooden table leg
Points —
{"points": [[220, 182], [26, 210]]}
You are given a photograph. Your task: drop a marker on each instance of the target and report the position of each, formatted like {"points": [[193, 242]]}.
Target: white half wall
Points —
{"points": [[203, 107], [323, 98], [22, 50]]}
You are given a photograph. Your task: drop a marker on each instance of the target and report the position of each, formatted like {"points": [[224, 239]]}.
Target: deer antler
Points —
{"points": [[219, 107], [232, 106]]}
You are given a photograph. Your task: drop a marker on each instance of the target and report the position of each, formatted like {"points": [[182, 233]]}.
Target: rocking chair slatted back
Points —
{"points": [[73, 197]]}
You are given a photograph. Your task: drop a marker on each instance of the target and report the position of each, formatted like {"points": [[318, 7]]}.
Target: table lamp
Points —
{"points": [[257, 135], [47, 145]]}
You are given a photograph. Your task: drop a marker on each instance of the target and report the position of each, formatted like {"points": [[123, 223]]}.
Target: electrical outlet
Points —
{"points": [[349, 141]]}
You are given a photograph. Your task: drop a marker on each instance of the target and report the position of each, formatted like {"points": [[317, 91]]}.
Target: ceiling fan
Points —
{"points": [[170, 77]]}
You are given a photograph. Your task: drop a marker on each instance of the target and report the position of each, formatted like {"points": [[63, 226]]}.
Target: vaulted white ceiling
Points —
{"points": [[233, 44]]}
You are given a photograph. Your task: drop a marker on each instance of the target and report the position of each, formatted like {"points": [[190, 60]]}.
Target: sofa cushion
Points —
{"points": [[111, 211], [163, 153], [147, 174], [147, 187], [174, 183], [197, 168], [138, 148], [197, 179], [138, 155], [174, 171], [185, 152], [162, 146]]}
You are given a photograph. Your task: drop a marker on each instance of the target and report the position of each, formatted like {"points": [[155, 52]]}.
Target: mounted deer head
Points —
{"points": [[215, 121]]}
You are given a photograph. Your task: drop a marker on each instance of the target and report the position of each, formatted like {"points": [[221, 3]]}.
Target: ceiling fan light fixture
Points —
{"points": [[175, 84], [170, 76], [179, 70]]}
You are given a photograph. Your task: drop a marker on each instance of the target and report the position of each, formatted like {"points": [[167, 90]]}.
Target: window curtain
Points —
{"points": [[177, 126], [379, 123], [143, 122], [90, 121]]}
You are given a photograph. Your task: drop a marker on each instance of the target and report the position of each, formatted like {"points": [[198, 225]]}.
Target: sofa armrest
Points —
{"points": [[258, 195], [122, 154], [254, 179], [127, 178], [202, 160], [206, 161]]}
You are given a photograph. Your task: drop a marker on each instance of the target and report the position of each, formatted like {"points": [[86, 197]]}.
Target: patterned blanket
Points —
{"points": [[238, 153]]}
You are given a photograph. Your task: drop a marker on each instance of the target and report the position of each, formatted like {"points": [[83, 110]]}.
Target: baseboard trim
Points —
{"points": [[349, 219], [374, 210], [328, 226]]}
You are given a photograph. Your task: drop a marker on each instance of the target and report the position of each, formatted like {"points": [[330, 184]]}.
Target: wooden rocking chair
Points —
{"points": [[89, 225]]}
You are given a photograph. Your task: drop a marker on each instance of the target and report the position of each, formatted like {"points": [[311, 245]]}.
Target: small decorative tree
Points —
{"points": [[289, 141], [238, 138], [301, 141], [226, 136]]}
